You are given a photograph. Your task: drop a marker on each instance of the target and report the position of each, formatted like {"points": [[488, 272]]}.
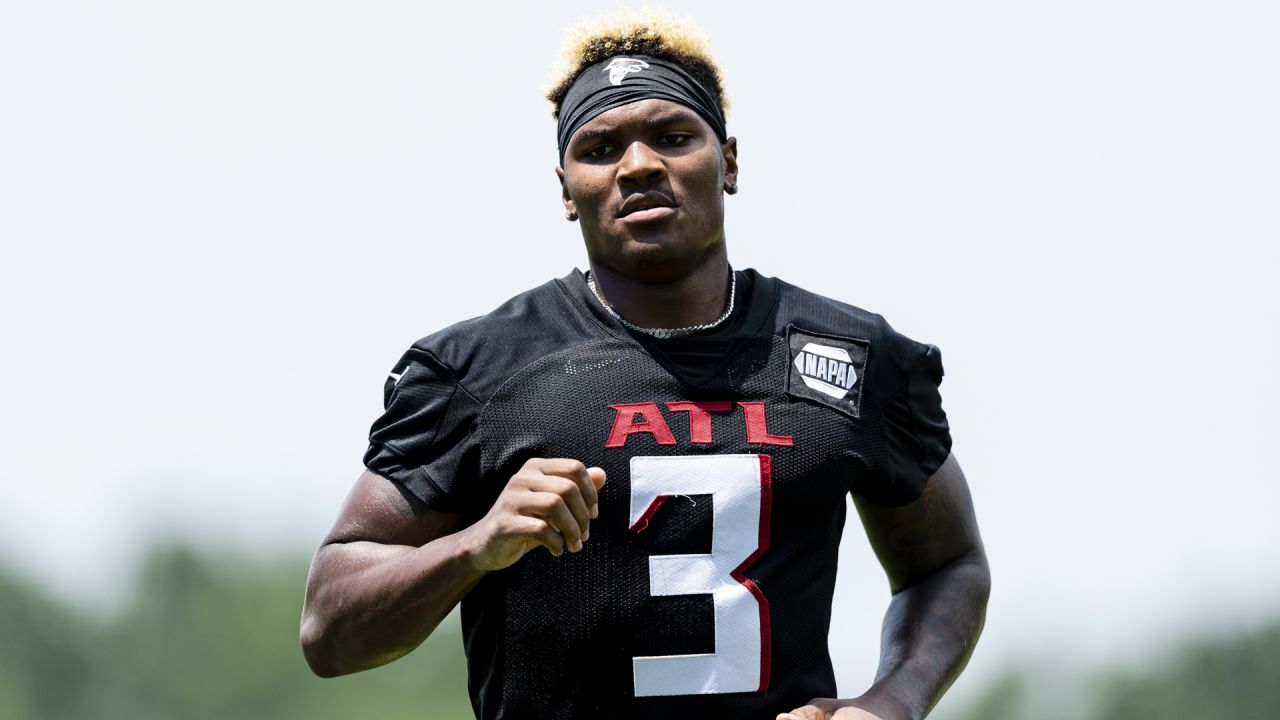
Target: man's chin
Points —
{"points": [[652, 234], [655, 260]]}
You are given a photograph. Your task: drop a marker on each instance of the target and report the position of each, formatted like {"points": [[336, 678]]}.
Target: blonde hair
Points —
{"points": [[656, 33]]}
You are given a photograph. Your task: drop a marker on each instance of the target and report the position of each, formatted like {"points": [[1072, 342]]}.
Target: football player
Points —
{"points": [[633, 478]]}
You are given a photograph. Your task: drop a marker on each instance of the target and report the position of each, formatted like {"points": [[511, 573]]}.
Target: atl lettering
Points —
{"points": [[632, 418]]}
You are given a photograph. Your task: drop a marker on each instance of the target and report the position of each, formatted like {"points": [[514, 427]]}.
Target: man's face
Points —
{"points": [[647, 180]]}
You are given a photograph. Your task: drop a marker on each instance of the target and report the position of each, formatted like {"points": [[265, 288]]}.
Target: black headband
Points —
{"points": [[621, 80]]}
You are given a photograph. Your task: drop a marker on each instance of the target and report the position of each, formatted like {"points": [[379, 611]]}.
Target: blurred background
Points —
{"points": [[222, 223]]}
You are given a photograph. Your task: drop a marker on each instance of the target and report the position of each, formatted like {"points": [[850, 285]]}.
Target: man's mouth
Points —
{"points": [[647, 206]]}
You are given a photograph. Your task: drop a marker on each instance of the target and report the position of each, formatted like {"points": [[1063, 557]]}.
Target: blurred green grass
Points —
{"points": [[204, 635]]}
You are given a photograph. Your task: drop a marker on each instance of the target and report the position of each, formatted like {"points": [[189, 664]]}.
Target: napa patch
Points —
{"points": [[827, 369]]}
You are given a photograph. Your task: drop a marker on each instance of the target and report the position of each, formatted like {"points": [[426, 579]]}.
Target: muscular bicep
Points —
{"points": [[380, 511], [914, 540]]}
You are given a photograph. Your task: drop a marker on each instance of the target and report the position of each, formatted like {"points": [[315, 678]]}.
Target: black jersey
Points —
{"points": [[705, 589]]}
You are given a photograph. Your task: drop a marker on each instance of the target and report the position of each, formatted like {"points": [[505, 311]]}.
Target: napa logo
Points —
{"points": [[829, 370], [619, 67]]}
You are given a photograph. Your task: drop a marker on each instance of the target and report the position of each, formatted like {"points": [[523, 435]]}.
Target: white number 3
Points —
{"points": [[740, 487]]}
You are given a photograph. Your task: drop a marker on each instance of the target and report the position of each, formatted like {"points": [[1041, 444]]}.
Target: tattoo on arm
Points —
{"points": [[932, 553], [914, 540], [399, 499]]}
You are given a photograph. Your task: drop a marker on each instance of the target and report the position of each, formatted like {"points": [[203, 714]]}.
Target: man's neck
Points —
{"points": [[696, 298]]}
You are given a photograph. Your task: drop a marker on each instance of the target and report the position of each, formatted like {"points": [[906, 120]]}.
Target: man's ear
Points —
{"points": [[730, 152], [564, 193]]}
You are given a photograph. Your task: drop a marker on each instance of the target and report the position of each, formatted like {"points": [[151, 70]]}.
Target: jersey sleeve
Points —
{"points": [[917, 436], [425, 439]]}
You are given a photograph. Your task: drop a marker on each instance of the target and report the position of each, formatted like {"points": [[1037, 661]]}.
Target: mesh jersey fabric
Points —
{"points": [[551, 374]]}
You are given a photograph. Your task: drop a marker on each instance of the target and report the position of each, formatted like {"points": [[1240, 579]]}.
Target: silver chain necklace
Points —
{"points": [[664, 333]]}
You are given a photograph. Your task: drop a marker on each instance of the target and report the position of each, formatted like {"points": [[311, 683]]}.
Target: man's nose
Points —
{"points": [[640, 164]]}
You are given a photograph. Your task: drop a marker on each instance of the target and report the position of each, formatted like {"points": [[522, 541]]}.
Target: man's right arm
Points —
{"points": [[391, 568]]}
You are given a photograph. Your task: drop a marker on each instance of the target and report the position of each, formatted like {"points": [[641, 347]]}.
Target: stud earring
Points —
{"points": [[732, 189], [570, 215]]}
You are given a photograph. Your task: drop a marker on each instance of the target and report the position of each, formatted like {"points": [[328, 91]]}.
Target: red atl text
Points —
{"points": [[632, 418]]}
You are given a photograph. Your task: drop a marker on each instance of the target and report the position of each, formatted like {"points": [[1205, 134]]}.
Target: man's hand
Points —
{"points": [[392, 568], [829, 709], [549, 502]]}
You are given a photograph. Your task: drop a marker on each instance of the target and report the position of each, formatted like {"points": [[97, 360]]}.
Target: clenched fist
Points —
{"points": [[549, 502]]}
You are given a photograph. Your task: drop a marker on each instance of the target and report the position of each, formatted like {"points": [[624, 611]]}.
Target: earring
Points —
{"points": [[732, 189], [570, 215]]}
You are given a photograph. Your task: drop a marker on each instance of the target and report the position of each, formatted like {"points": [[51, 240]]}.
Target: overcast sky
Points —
{"points": [[223, 223]]}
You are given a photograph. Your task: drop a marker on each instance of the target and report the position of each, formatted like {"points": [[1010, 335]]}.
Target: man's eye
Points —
{"points": [[674, 139], [598, 151]]}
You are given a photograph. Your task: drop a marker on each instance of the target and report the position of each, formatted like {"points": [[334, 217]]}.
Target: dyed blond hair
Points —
{"points": [[656, 33]]}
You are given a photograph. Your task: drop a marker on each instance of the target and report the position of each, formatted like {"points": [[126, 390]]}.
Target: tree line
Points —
{"points": [[212, 636]]}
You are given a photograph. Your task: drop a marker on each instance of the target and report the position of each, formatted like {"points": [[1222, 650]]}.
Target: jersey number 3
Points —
{"points": [[740, 487]]}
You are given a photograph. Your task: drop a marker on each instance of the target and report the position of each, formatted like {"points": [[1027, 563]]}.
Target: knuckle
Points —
{"points": [[567, 522], [505, 505]]}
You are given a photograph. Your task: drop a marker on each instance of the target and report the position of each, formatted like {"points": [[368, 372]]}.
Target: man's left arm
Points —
{"points": [[937, 569]]}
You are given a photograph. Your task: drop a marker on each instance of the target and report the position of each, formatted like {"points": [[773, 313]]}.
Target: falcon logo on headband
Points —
{"points": [[620, 66]]}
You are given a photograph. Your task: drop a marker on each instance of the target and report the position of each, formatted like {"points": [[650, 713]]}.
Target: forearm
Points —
{"points": [[368, 604], [929, 633]]}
